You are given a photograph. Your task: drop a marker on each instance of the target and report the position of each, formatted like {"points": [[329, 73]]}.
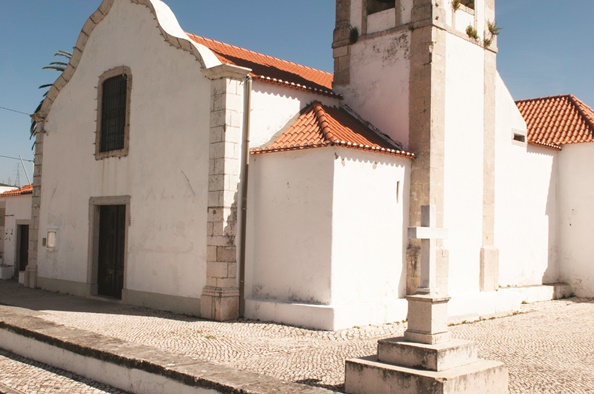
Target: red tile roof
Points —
{"points": [[18, 192], [270, 69], [558, 120], [320, 125]]}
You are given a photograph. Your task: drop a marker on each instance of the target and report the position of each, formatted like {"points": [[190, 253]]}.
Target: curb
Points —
{"points": [[131, 365]]}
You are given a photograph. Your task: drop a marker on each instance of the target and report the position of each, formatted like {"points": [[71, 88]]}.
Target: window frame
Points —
{"points": [[114, 72]]}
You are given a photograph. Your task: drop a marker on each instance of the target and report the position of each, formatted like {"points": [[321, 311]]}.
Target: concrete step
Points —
{"points": [[439, 357], [369, 376]]}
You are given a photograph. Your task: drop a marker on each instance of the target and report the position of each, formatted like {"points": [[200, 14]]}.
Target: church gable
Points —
{"points": [[167, 25]]}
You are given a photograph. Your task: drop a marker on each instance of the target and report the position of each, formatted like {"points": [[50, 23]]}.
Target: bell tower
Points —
{"points": [[424, 72]]}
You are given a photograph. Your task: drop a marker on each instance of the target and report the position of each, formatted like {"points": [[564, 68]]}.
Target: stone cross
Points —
{"points": [[428, 233]]}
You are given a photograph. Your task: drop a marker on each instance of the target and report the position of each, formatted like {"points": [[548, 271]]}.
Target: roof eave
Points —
{"points": [[340, 144]]}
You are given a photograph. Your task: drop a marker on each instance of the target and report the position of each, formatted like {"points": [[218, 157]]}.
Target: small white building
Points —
{"points": [[212, 180], [559, 163], [15, 218]]}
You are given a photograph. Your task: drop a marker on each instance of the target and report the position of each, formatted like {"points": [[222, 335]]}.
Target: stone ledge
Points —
{"points": [[185, 370]]}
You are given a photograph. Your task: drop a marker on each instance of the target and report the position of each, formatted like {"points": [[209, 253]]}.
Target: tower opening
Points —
{"points": [[374, 6]]}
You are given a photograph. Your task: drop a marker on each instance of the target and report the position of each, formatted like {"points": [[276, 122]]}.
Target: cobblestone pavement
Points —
{"points": [[19, 375], [548, 346]]}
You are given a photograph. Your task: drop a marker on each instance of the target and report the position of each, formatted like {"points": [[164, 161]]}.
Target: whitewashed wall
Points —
{"points": [[165, 173], [463, 162], [18, 208], [326, 231], [369, 222], [576, 217], [379, 86], [274, 107], [525, 202], [290, 227]]}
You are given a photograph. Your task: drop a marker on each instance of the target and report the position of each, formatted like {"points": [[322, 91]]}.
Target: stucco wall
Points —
{"points": [[576, 217], [370, 220], [290, 226], [18, 209], [463, 162], [525, 202], [379, 86], [165, 172]]}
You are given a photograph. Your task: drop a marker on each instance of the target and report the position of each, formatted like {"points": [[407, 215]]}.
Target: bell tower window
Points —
{"points": [[468, 3], [374, 6]]}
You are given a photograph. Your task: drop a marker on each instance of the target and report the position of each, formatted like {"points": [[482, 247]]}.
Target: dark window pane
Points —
{"points": [[113, 113], [374, 6]]}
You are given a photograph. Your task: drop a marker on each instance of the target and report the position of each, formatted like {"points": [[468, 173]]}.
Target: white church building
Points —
{"points": [[181, 173]]}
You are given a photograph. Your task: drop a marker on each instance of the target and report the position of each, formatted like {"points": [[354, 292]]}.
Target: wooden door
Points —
{"points": [[112, 237]]}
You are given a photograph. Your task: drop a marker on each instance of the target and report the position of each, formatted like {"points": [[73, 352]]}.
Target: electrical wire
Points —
{"points": [[14, 110], [15, 158]]}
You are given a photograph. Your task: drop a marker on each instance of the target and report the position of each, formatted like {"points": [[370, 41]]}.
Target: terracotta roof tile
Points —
{"points": [[271, 69], [18, 192], [320, 125], [557, 120]]}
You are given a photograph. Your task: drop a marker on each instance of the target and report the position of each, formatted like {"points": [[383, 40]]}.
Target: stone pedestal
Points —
{"points": [[426, 360], [427, 319]]}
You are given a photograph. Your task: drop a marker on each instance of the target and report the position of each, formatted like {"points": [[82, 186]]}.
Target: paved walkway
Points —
{"points": [[548, 346]]}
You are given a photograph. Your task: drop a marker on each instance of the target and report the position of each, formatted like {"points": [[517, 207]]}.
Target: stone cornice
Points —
{"points": [[230, 71]]}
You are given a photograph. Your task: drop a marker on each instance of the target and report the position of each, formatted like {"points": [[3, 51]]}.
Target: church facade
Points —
{"points": [[215, 181]]}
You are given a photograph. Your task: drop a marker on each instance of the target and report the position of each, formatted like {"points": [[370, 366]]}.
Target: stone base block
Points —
{"points": [[30, 277], [427, 318], [369, 376], [22, 278], [220, 304], [452, 354], [6, 272], [562, 290]]}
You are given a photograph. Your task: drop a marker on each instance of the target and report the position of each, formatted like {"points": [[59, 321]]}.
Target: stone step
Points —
{"points": [[369, 376], [439, 357]]}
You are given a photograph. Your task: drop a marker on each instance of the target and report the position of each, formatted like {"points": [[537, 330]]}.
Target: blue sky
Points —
{"points": [[545, 47]]}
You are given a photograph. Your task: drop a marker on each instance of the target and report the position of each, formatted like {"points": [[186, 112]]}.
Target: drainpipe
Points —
{"points": [[245, 159]]}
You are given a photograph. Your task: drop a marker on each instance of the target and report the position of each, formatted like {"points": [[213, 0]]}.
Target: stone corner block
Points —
{"points": [[219, 304], [489, 268]]}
